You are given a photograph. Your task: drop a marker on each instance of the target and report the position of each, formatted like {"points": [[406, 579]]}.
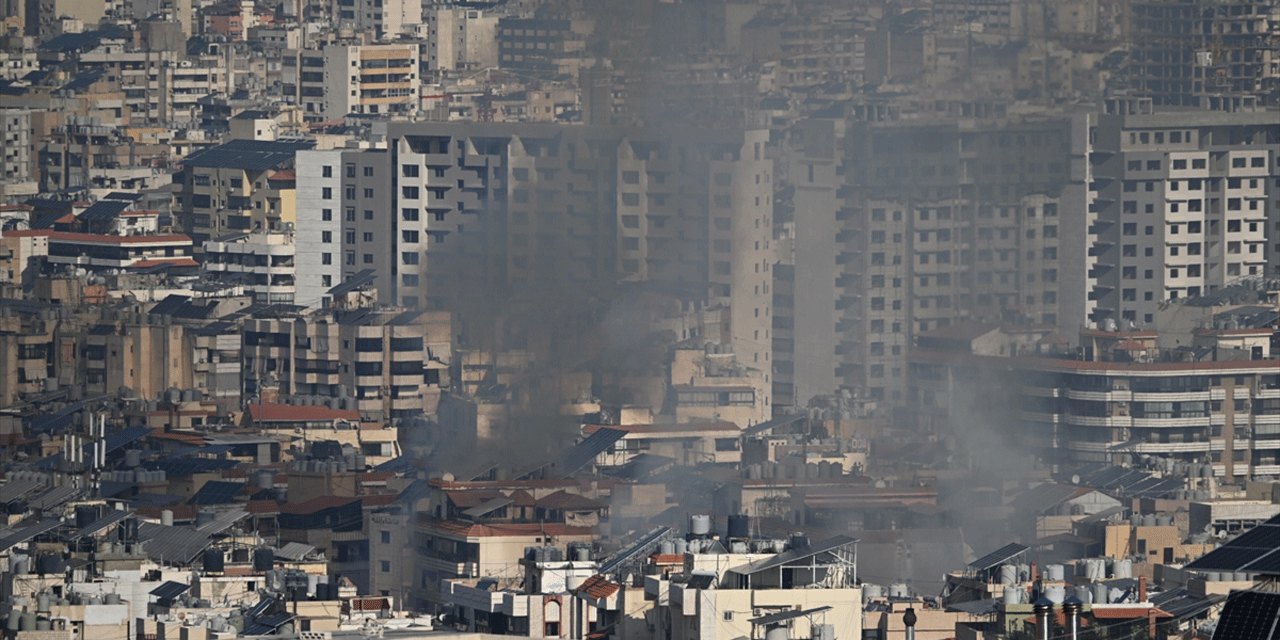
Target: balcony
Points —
{"points": [[1035, 416], [1171, 396], [1201, 421], [1099, 396], [1097, 421]]}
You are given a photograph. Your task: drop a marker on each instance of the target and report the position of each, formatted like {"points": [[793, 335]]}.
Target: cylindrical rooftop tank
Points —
{"points": [[111, 598], [799, 540], [1083, 594], [899, 590], [1008, 574], [1055, 572], [27, 622], [871, 592], [15, 620], [1123, 568], [166, 518], [1012, 595], [681, 546], [667, 548], [132, 458], [700, 525], [43, 601], [739, 526], [1136, 519], [1099, 593]]}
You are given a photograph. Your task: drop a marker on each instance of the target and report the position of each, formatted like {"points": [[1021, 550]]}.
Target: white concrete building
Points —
{"points": [[263, 263], [1178, 205], [319, 223], [372, 79], [460, 38]]}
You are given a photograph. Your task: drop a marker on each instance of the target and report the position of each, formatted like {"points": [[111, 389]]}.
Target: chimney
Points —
{"points": [[1034, 574], [1142, 588]]}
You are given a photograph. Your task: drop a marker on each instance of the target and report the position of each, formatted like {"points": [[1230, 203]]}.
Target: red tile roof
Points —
{"points": [[598, 587], [317, 504], [522, 498], [272, 412], [99, 238], [284, 176], [1130, 345], [565, 501], [262, 507]]}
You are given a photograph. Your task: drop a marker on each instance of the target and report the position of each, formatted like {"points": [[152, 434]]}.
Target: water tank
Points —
{"points": [[203, 517], [837, 469], [85, 516], [739, 526], [1206, 471], [824, 632], [1055, 593], [700, 525], [681, 546], [312, 581], [777, 632], [266, 480], [43, 624], [1055, 572], [1163, 521], [872, 592], [214, 560], [166, 518], [1148, 520], [1212, 576], [799, 540], [132, 458], [1012, 595], [1099, 593], [1008, 574], [738, 546], [1083, 594], [667, 548], [1123, 569], [43, 601], [27, 622], [824, 469], [1136, 519], [1238, 576], [111, 598], [899, 590], [15, 620], [583, 553]]}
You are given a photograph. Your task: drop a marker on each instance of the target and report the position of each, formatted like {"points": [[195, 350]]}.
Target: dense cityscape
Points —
{"points": [[640, 319]]}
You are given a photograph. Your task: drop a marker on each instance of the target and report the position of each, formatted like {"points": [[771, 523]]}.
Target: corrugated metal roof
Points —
{"points": [[294, 551], [795, 555], [223, 522]]}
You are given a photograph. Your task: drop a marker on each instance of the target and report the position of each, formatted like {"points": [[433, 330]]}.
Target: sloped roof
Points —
{"points": [[598, 587], [564, 500]]}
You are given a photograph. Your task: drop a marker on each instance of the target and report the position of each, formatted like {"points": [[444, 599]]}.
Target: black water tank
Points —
{"points": [[213, 560], [52, 564], [264, 559], [739, 527], [86, 515]]}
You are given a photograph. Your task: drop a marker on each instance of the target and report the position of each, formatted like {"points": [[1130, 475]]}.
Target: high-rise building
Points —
{"points": [[448, 209], [1180, 204], [239, 186], [902, 227], [379, 79], [460, 38]]}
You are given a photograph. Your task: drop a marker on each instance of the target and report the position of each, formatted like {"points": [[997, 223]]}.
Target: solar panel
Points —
{"points": [[103, 210], [1263, 536], [1228, 558], [1249, 615], [101, 524], [639, 548], [795, 555], [998, 556], [15, 489], [216, 492], [486, 584], [260, 608], [361, 278], [189, 466], [580, 454], [223, 522], [28, 533], [170, 590], [1269, 564], [172, 544], [701, 580]]}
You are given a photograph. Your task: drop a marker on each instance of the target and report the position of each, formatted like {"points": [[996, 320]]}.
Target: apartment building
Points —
{"points": [[903, 227], [101, 253], [459, 38], [17, 164], [1185, 55], [377, 79], [382, 18], [1125, 397], [145, 353], [239, 186], [1180, 204], [86, 152], [507, 206], [263, 263], [544, 45], [27, 350], [380, 357]]}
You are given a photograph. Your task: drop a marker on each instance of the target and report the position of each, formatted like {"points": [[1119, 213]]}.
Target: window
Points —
{"points": [[409, 257], [386, 566], [409, 235], [326, 171], [409, 170], [631, 222], [368, 172], [326, 236], [409, 214], [368, 193], [326, 215], [386, 537], [409, 193], [326, 193], [326, 258]]}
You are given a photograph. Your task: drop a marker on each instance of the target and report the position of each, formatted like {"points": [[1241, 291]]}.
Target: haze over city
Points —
{"points": [[640, 320]]}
